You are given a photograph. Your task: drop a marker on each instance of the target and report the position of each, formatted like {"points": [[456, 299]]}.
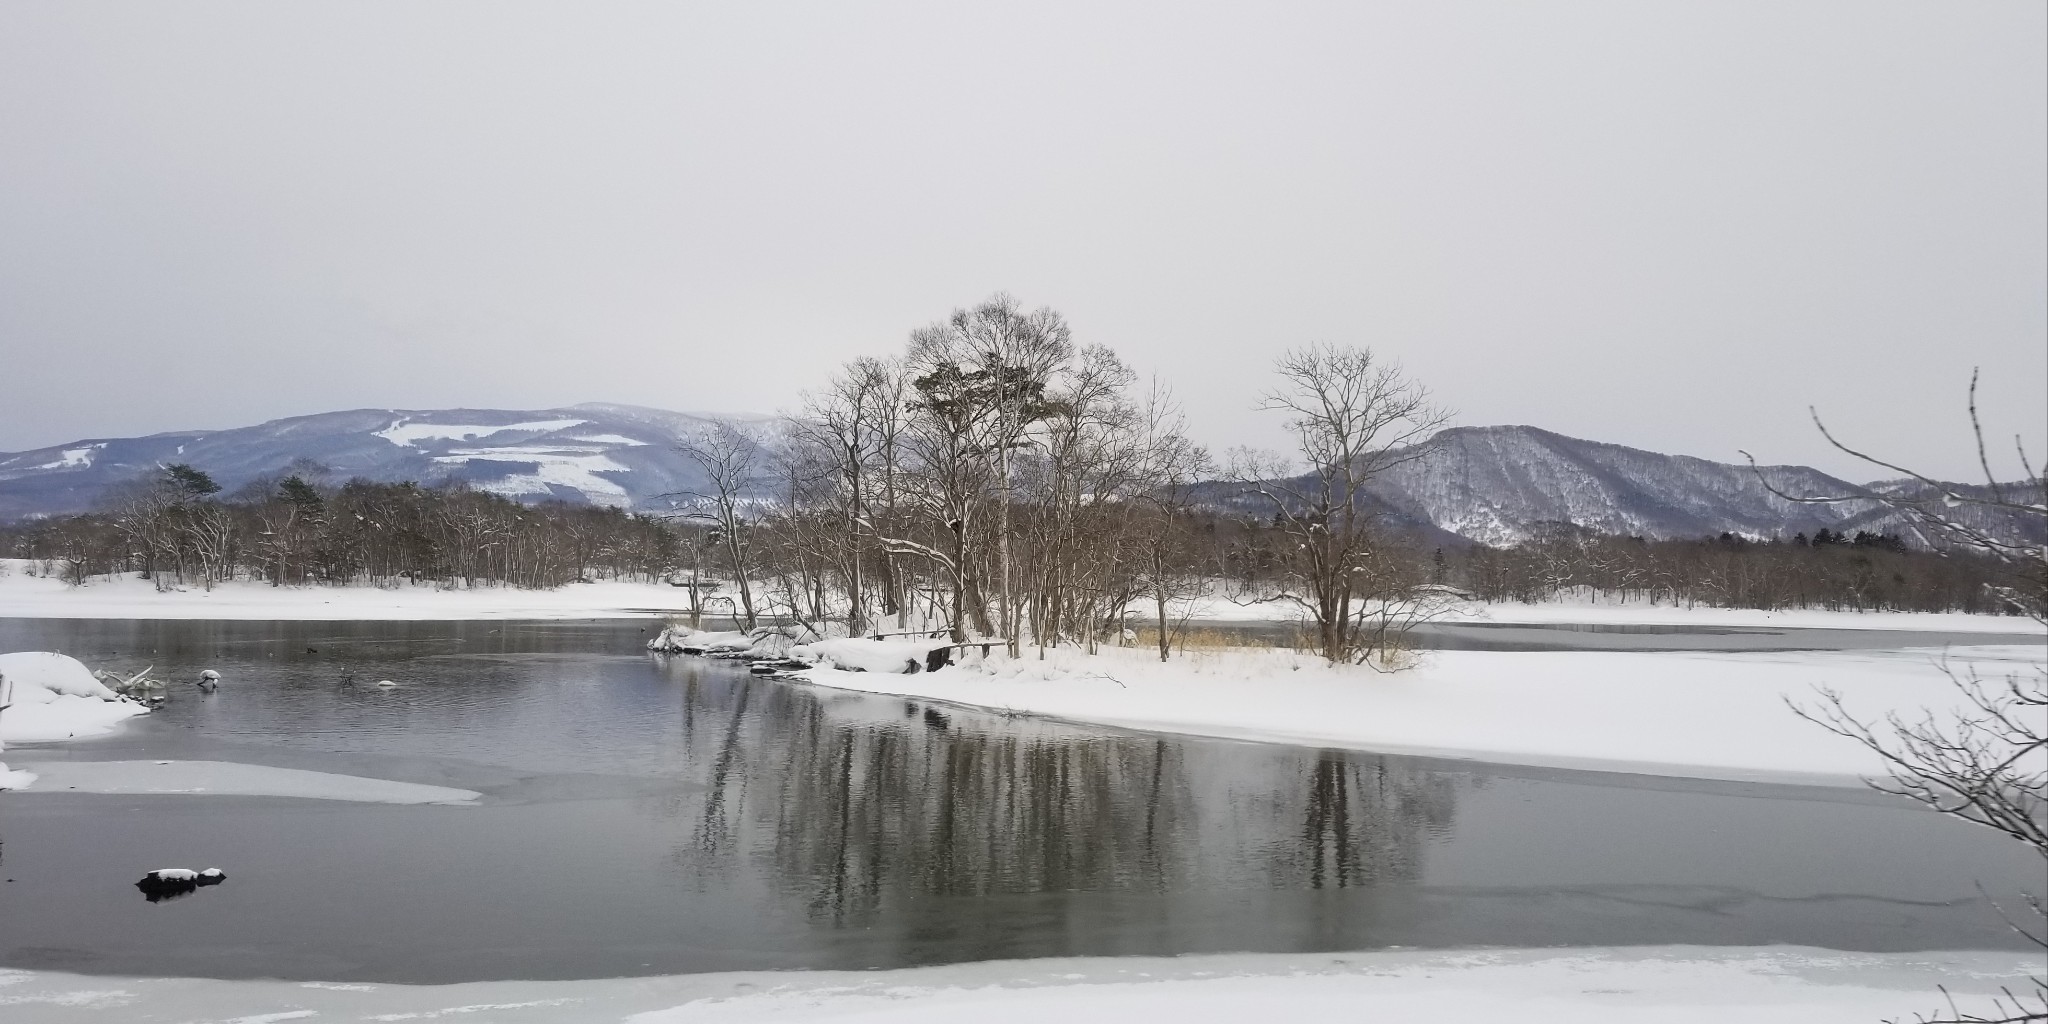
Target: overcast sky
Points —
{"points": [[1673, 226]]}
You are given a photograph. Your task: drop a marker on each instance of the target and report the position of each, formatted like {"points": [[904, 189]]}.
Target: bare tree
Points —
{"points": [[1988, 764], [1353, 417], [982, 374], [848, 423], [1173, 465], [730, 459]]}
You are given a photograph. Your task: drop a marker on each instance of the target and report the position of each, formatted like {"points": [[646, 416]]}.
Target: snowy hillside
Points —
{"points": [[600, 454], [1494, 484], [1499, 485]]}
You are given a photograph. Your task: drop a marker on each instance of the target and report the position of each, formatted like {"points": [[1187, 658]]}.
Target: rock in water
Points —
{"points": [[172, 883]]}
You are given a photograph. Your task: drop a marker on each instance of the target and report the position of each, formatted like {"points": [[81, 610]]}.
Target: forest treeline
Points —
{"points": [[1839, 572], [177, 530]]}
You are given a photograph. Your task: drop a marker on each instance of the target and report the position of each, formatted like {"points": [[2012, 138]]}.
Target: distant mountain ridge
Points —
{"points": [[596, 453], [1493, 485]]}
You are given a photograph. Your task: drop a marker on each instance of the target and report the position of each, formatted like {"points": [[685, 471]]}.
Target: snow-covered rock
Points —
{"points": [[171, 883]]}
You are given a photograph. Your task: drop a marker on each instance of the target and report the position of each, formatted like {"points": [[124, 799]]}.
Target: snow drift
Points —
{"points": [[48, 696]]}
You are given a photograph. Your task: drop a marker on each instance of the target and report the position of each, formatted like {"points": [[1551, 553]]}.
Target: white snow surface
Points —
{"points": [[173, 874], [43, 676], [224, 778], [1217, 608], [407, 433], [1572, 612], [73, 458], [554, 466], [1647, 985], [1708, 715], [53, 697], [126, 597], [849, 656]]}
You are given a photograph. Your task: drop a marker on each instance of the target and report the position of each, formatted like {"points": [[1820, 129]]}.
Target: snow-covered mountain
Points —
{"points": [[1495, 485], [601, 454], [1499, 485]]}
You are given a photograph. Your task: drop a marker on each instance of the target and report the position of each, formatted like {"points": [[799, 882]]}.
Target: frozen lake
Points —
{"points": [[651, 815]]}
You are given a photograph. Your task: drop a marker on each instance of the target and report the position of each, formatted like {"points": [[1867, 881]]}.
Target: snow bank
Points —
{"points": [[57, 674], [1650, 985], [901, 657], [1693, 714], [54, 697], [223, 778], [37, 597]]}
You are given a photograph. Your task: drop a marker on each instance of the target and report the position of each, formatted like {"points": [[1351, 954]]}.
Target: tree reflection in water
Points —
{"points": [[879, 807], [1368, 821]]}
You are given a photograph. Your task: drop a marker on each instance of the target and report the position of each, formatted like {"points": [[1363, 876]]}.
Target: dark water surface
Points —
{"points": [[649, 815]]}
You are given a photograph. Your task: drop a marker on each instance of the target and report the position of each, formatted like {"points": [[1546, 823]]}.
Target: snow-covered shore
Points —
{"points": [[46, 697], [1707, 715], [1216, 608], [128, 597], [1648, 985]]}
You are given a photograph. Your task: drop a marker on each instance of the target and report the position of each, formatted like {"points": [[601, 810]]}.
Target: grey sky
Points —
{"points": [[1666, 225]]}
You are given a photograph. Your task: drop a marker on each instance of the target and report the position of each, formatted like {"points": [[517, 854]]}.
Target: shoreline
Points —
{"points": [[1762, 984], [1716, 716], [39, 597]]}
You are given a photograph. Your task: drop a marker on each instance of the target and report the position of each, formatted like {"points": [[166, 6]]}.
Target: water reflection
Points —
{"points": [[687, 816], [867, 804], [1369, 822]]}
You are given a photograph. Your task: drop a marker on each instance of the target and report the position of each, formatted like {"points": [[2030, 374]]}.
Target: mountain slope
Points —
{"points": [[1495, 484], [601, 454]]}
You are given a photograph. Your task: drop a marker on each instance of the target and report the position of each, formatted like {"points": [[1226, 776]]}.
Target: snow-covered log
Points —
{"points": [[862, 655]]}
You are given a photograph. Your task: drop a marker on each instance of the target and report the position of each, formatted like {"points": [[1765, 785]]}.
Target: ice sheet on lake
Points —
{"points": [[225, 778], [1646, 985]]}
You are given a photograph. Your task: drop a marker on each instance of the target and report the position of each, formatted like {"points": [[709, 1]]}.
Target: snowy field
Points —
{"points": [[1648, 985], [1716, 715]]}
